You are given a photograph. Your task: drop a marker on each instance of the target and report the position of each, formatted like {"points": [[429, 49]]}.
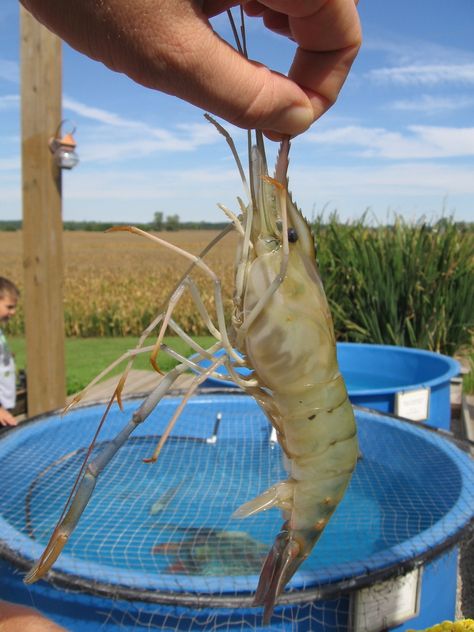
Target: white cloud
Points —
{"points": [[403, 50], [201, 183], [433, 104], [97, 114], [8, 101], [392, 181], [424, 74], [132, 139], [9, 164], [10, 198], [410, 188], [9, 70], [201, 133], [135, 195], [420, 142]]}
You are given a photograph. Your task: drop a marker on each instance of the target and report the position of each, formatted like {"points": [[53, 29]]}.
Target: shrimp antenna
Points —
{"points": [[243, 32], [241, 45]]}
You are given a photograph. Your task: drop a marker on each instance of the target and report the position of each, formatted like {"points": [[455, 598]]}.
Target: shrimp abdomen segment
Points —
{"points": [[321, 452]]}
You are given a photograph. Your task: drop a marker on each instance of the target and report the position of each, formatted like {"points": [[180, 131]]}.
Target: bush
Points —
{"points": [[404, 284]]}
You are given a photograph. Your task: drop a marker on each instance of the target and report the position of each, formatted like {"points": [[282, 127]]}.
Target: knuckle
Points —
{"points": [[261, 104]]}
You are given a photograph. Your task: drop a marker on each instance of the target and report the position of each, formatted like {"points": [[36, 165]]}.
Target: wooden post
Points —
{"points": [[42, 217]]}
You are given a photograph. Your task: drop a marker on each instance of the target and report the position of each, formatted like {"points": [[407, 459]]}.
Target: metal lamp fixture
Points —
{"points": [[63, 148]]}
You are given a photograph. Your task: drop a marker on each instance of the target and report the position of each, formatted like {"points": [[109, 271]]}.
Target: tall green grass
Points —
{"points": [[404, 284]]}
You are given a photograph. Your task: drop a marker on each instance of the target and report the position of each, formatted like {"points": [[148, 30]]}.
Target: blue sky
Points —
{"points": [[399, 139]]}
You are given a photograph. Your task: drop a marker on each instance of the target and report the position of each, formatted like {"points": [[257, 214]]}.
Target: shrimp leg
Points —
{"points": [[86, 487], [95, 467], [85, 484], [152, 325], [202, 266]]}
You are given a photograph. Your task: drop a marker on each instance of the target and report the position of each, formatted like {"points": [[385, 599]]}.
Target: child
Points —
{"points": [[9, 295]]}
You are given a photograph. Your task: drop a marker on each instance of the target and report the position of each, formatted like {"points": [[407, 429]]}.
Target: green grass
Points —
{"points": [[87, 357]]}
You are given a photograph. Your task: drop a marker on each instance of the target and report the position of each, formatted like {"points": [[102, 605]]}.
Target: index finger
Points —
{"points": [[328, 35]]}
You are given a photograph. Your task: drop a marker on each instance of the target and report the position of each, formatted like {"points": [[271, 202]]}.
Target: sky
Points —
{"points": [[399, 140]]}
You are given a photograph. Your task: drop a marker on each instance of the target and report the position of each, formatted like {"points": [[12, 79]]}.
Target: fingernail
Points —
{"points": [[276, 136], [294, 120]]}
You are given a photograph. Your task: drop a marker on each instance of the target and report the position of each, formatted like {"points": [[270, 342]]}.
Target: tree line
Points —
{"points": [[159, 223]]}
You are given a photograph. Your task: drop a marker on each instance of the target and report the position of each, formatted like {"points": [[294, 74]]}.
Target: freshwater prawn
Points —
{"points": [[282, 328]]}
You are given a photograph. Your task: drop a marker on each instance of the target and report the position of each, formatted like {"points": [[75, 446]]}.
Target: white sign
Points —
{"points": [[414, 405], [386, 604]]}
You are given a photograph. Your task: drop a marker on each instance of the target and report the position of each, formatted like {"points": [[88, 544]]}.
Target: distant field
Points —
{"points": [[115, 283]]}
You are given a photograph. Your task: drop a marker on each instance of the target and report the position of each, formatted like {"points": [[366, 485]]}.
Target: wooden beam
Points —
{"points": [[42, 217]]}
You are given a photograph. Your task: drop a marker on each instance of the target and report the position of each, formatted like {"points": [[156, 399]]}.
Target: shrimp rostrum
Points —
{"points": [[282, 327]]}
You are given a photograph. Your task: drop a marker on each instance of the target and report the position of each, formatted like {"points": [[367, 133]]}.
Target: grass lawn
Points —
{"points": [[86, 357]]}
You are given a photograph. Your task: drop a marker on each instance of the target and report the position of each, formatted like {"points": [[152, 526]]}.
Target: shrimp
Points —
{"points": [[282, 327]]}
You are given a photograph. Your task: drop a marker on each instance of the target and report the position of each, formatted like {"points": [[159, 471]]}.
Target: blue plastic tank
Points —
{"points": [[375, 374]]}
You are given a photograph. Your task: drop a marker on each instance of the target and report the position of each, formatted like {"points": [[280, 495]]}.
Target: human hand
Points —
{"points": [[169, 45], [6, 418], [14, 617]]}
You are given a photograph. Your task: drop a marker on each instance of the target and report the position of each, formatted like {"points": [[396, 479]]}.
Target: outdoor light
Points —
{"points": [[63, 149]]}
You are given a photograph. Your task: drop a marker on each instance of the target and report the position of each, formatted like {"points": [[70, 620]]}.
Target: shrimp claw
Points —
{"points": [[63, 530]]}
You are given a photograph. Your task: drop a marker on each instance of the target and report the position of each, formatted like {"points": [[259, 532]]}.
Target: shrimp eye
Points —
{"points": [[292, 235]]}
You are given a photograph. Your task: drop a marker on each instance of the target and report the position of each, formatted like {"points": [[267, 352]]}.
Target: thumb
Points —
{"points": [[186, 58], [219, 79]]}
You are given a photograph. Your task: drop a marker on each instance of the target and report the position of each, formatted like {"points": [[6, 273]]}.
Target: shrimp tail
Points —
{"points": [[288, 552]]}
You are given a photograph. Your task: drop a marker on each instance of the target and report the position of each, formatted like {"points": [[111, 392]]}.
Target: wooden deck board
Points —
{"points": [[138, 383]]}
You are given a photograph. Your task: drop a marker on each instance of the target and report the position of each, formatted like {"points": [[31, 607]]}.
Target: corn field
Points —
{"points": [[114, 284], [405, 284]]}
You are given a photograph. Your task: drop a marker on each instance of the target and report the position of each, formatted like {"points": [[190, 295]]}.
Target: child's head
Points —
{"points": [[9, 294]]}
